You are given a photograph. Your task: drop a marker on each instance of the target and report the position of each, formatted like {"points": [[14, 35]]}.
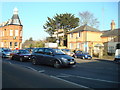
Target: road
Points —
{"points": [[87, 73]]}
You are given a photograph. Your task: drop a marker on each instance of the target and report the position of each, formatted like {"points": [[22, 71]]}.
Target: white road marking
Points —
{"points": [[98, 79], [71, 82], [41, 71], [10, 63], [92, 79], [30, 68]]}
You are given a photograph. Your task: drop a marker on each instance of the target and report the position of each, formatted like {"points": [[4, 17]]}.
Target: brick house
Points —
{"points": [[11, 32]]}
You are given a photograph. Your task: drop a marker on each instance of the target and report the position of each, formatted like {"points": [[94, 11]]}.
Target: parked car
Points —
{"points": [[21, 55], [68, 52], [82, 55], [5, 52], [117, 56], [54, 57]]}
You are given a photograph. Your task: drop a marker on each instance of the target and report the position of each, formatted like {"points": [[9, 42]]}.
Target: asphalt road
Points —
{"points": [[87, 74]]}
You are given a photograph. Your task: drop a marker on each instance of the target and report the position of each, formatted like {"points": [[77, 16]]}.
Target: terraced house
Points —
{"points": [[113, 38], [11, 32]]}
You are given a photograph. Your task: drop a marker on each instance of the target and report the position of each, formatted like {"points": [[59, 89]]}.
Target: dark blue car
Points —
{"points": [[82, 55]]}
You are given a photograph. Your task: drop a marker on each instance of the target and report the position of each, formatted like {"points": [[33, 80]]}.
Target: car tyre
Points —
{"points": [[56, 64], [34, 62], [12, 58], [21, 59]]}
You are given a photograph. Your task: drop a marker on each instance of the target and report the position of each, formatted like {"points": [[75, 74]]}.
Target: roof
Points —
{"points": [[85, 28], [14, 20], [115, 32]]}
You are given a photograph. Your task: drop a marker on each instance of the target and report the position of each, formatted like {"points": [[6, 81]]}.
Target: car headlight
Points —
{"points": [[63, 58], [85, 55]]}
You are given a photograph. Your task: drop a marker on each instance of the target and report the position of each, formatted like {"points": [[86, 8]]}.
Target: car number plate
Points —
{"points": [[71, 62]]}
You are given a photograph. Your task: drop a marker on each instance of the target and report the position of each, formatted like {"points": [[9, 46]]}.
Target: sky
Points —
{"points": [[33, 15]]}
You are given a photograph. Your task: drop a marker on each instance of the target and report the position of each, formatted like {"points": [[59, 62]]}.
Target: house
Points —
{"points": [[113, 38], [84, 38], [11, 32], [59, 35]]}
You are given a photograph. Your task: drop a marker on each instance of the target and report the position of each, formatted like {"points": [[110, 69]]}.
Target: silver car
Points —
{"points": [[5, 52]]}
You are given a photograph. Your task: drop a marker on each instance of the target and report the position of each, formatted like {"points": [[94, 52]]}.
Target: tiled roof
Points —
{"points": [[115, 32], [85, 28], [14, 20]]}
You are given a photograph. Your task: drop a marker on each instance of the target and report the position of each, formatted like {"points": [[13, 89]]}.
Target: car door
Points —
{"points": [[39, 55], [16, 54], [48, 56]]}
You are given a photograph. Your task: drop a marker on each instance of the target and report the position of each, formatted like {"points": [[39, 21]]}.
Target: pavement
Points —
{"points": [[94, 59]]}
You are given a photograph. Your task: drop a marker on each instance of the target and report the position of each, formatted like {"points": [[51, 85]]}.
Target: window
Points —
{"points": [[16, 44], [71, 45], [2, 44], [79, 34], [3, 33], [78, 45], [71, 35], [10, 44], [11, 32], [40, 50], [20, 33], [16, 33], [0, 33], [48, 51]]}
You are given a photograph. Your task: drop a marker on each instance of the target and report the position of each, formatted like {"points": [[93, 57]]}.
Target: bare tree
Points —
{"points": [[88, 18]]}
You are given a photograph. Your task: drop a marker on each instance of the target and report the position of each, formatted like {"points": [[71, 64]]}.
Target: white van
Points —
{"points": [[117, 56]]}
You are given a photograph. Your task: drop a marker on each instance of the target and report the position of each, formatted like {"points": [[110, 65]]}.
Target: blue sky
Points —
{"points": [[34, 14]]}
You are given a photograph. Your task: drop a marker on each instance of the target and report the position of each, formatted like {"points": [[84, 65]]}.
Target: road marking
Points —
{"points": [[98, 79], [30, 68], [10, 63], [41, 71], [93, 79], [71, 82]]}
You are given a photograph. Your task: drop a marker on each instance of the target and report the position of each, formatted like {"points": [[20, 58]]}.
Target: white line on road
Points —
{"points": [[98, 80], [31, 68], [92, 78], [10, 63], [71, 82], [41, 71]]}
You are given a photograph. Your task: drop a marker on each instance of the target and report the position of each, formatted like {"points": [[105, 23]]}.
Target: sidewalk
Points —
{"points": [[106, 59]]}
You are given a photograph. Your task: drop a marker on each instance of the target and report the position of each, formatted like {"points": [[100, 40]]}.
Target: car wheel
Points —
{"points": [[21, 59], [12, 58], [34, 62], [56, 64]]}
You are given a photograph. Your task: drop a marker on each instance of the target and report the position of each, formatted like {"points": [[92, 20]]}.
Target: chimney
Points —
{"points": [[112, 25]]}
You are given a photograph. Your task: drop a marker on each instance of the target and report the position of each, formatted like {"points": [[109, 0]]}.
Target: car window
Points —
{"points": [[58, 51], [40, 50], [48, 51], [24, 51]]}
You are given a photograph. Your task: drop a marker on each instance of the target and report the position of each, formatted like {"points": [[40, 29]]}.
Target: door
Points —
{"points": [[48, 56], [39, 55]]}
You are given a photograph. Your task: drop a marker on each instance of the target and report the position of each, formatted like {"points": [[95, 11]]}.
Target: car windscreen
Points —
{"points": [[58, 52], [67, 50], [7, 50], [24, 51]]}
